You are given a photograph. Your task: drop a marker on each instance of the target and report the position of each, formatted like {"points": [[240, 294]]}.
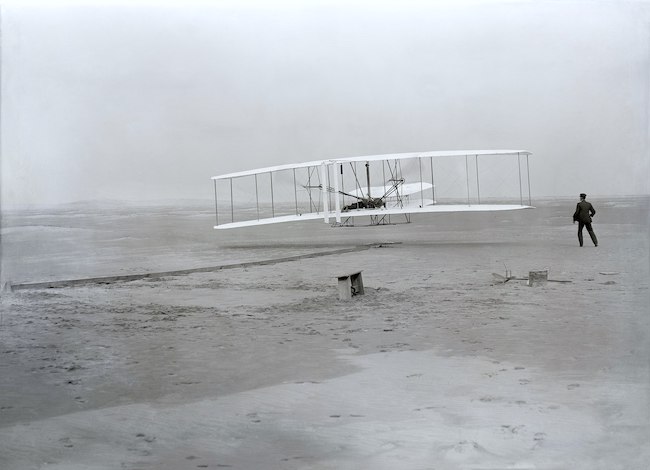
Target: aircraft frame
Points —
{"points": [[410, 183]]}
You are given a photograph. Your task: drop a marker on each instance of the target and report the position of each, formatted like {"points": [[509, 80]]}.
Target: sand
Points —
{"points": [[440, 365]]}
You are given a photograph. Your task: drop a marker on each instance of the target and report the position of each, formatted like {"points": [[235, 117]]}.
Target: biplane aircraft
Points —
{"points": [[375, 186]]}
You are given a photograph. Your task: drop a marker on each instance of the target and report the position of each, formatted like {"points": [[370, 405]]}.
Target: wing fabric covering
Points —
{"points": [[371, 186]]}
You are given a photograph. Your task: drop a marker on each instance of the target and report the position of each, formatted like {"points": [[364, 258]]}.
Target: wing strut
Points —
{"points": [[216, 203], [232, 204], [433, 184], [478, 186], [521, 196], [467, 178], [326, 209], [337, 199], [368, 178], [421, 184], [257, 199], [295, 190], [530, 201]]}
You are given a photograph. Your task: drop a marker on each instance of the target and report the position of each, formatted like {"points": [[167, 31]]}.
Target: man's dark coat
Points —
{"points": [[584, 212]]}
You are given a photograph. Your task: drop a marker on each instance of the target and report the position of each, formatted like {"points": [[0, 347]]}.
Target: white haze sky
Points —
{"points": [[148, 102]]}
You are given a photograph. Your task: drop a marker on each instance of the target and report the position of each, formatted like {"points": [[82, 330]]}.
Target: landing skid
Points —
{"points": [[347, 222], [374, 220], [386, 220]]}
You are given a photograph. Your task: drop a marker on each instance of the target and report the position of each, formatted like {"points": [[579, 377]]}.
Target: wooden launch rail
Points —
{"points": [[8, 287]]}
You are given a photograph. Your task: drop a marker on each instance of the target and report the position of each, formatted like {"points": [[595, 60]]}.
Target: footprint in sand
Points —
{"points": [[66, 441], [465, 450], [145, 438], [538, 439], [489, 399], [508, 428], [287, 459], [141, 445]]}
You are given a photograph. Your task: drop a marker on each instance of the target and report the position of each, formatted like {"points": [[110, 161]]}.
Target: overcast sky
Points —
{"points": [[149, 102]]}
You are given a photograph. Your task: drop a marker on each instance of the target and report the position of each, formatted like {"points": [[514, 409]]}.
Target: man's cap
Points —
{"points": [[583, 195]]}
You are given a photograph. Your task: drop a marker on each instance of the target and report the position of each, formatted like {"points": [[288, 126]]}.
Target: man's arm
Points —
{"points": [[592, 211]]}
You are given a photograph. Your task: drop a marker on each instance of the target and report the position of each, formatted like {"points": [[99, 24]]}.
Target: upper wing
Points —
{"points": [[375, 158]]}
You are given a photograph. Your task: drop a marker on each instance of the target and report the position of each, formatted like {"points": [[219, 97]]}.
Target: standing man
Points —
{"points": [[583, 214]]}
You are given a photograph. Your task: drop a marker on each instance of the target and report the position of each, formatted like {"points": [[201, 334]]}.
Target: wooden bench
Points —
{"points": [[350, 285]]}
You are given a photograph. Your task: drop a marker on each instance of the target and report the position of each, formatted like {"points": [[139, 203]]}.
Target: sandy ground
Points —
{"points": [[438, 366]]}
